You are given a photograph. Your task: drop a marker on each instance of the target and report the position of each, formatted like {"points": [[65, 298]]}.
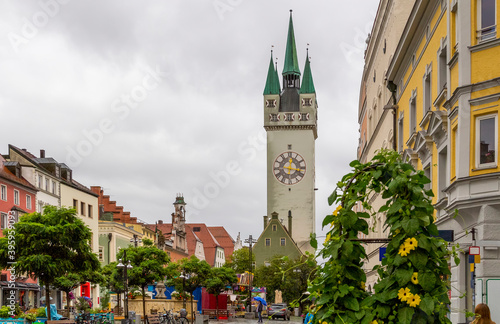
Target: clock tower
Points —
{"points": [[290, 120]]}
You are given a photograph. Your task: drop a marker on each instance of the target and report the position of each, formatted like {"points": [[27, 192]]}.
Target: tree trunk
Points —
{"points": [[68, 302], [47, 301], [144, 306]]}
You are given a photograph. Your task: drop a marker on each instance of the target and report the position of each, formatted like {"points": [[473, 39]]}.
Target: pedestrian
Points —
{"points": [[259, 310], [310, 315], [482, 315]]}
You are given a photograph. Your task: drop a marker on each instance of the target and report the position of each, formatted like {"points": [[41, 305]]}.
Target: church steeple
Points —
{"points": [[272, 82], [291, 63], [307, 79]]}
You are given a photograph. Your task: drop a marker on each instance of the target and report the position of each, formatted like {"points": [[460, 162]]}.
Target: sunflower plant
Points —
{"points": [[412, 286]]}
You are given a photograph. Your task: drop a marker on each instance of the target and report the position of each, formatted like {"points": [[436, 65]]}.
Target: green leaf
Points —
{"points": [[405, 314], [314, 241], [383, 311], [403, 276], [427, 305], [410, 226], [424, 243], [332, 198], [327, 220], [427, 280], [347, 248], [418, 258], [351, 303]]}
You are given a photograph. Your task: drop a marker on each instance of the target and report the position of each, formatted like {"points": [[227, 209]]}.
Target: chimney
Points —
{"points": [[290, 222], [265, 221], [160, 222], [42, 154]]}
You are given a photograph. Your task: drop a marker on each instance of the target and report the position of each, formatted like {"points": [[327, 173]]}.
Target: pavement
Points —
{"points": [[293, 319]]}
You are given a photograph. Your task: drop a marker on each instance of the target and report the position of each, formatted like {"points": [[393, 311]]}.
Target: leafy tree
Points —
{"points": [[195, 273], [291, 277], [49, 245], [412, 286], [220, 280], [239, 261], [72, 280], [148, 265], [114, 279]]}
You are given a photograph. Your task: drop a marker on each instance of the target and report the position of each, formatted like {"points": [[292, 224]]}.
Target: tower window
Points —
{"points": [[289, 117], [274, 117], [307, 101], [304, 116], [271, 103]]}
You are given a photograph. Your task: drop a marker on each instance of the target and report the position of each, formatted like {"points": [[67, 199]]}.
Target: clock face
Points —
{"points": [[289, 168]]}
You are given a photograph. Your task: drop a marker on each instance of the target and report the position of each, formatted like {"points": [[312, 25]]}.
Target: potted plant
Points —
{"points": [[30, 317]]}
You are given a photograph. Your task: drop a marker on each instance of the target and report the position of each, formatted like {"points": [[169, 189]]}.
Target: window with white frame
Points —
{"points": [[47, 184], [442, 169], [40, 181], [486, 143], [427, 91], [16, 197], [4, 193], [3, 220], [54, 188], [442, 66], [428, 174], [28, 202], [413, 113], [400, 133], [486, 18]]}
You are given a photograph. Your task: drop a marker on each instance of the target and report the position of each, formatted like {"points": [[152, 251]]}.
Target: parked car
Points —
{"points": [[279, 311]]}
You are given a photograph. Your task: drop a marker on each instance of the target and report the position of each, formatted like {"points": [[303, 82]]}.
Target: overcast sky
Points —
{"points": [[153, 98]]}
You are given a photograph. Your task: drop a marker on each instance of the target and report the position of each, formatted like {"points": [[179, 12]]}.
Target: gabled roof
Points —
{"points": [[210, 243], [7, 175], [222, 236]]}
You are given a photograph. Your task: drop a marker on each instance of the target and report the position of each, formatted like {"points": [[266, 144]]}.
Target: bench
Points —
{"points": [[153, 319]]}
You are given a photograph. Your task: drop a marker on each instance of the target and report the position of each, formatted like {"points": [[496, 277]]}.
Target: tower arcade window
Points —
{"points": [[271, 103], [307, 101]]}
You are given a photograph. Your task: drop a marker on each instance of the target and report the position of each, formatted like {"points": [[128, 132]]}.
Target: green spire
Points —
{"points": [[272, 82], [277, 78], [307, 79], [291, 63]]}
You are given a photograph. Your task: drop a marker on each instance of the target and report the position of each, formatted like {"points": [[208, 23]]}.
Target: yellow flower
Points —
{"points": [[411, 243], [328, 236], [337, 210], [324, 322], [404, 293], [414, 278], [363, 285], [374, 322], [403, 250], [413, 300]]}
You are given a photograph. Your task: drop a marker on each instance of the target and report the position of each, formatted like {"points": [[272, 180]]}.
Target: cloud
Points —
{"points": [[205, 111]]}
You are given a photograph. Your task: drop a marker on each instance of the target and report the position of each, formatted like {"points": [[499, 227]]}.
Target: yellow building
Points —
{"points": [[445, 74]]}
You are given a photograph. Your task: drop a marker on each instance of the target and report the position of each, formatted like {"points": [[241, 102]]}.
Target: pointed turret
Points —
{"points": [[291, 63], [307, 79], [277, 78], [272, 82]]}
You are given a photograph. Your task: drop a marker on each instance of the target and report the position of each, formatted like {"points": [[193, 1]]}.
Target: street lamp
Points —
{"points": [[184, 276], [125, 265], [135, 240], [250, 241]]}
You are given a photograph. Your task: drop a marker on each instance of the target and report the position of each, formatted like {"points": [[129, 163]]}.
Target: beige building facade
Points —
{"points": [[375, 117]]}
